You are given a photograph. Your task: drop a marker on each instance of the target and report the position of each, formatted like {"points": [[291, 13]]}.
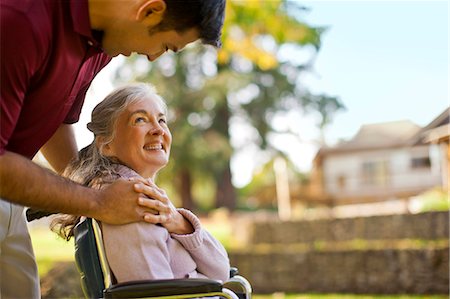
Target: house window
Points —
{"points": [[420, 162], [375, 173]]}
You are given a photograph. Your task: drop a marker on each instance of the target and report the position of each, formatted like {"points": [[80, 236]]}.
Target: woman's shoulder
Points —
{"points": [[118, 171], [125, 172]]}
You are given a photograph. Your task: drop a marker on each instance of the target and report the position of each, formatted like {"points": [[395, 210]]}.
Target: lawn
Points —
{"points": [[344, 296], [50, 249]]}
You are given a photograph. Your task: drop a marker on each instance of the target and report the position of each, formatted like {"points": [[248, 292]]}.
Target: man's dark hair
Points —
{"points": [[205, 15]]}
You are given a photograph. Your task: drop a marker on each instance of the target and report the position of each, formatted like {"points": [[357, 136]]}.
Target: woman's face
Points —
{"points": [[142, 138]]}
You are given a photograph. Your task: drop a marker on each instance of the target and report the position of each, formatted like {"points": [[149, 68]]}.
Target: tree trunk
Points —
{"points": [[186, 190], [225, 193]]}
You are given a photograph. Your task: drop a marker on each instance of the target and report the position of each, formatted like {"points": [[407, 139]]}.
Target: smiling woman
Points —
{"points": [[142, 138], [132, 141]]}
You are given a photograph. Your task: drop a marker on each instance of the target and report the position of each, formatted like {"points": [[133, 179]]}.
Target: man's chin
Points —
{"points": [[115, 53]]}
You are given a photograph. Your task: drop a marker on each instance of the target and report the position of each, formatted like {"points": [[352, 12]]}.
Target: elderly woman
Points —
{"points": [[132, 141]]}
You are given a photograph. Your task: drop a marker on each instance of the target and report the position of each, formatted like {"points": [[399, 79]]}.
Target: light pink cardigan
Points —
{"points": [[142, 250]]}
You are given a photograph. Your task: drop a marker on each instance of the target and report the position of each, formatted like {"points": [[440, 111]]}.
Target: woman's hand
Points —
{"points": [[157, 199]]}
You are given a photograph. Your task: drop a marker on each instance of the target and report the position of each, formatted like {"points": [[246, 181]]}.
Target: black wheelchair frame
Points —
{"points": [[96, 279]]}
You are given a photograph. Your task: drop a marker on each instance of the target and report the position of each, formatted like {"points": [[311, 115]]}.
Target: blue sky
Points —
{"points": [[385, 60]]}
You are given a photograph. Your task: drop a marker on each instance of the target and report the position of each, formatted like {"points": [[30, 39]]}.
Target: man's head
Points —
{"points": [[205, 15], [151, 27]]}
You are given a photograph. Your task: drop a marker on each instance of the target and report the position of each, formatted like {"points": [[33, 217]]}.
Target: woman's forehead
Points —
{"points": [[151, 104]]}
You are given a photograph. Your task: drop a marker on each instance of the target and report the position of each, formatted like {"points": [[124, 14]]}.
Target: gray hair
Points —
{"points": [[91, 164]]}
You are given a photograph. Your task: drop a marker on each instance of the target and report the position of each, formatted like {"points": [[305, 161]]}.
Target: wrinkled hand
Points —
{"points": [[157, 200]]}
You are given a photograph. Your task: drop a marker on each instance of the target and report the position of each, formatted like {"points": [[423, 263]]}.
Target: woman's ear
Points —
{"points": [[151, 12], [103, 148]]}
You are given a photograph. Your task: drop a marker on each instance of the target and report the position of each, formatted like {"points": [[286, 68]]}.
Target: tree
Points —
{"points": [[255, 35], [249, 80]]}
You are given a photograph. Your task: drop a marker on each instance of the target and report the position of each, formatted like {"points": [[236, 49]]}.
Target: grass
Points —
{"points": [[345, 296], [50, 249]]}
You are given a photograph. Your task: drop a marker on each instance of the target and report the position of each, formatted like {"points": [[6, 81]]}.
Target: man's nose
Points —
{"points": [[154, 57]]}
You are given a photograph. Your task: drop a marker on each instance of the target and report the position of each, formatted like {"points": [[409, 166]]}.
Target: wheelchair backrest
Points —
{"points": [[87, 260]]}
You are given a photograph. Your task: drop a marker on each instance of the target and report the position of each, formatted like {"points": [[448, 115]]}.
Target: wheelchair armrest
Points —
{"points": [[233, 271], [240, 286], [164, 287]]}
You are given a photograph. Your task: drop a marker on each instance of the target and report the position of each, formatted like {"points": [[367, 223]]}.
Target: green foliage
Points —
{"points": [[434, 200], [260, 193], [245, 82], [247, 21]]}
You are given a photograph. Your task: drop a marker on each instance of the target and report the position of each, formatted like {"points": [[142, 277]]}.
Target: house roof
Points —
{"points": [[377, 136], [437, 130]]}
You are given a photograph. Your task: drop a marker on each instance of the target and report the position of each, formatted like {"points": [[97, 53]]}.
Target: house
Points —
{"points": [[436, 134], [380, 163]]}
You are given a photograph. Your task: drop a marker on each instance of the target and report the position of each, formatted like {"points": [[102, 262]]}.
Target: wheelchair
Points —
{"points": [[97, 281]]}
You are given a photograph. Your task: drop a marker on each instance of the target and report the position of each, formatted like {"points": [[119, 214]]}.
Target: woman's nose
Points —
{"points": [[156, 130]]}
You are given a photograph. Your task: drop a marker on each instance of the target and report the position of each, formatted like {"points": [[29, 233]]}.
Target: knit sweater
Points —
{"points": [[140, 250]]}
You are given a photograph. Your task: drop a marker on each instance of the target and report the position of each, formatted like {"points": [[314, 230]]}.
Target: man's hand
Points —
{"points": [[119, 203], [126, 201]]}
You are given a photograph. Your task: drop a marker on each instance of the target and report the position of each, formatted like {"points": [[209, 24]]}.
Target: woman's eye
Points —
{"points": [[139, 120], [162, 120]]}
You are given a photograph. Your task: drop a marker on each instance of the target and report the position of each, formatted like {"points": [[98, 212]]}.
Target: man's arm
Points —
{"points": [[61, 148], [28, 184]]}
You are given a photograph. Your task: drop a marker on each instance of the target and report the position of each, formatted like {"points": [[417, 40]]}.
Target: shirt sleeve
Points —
{"points": [[22, 53], [74, 113], [100, 60], [208, 253]]}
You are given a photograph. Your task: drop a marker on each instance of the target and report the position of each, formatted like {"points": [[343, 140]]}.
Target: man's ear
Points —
{"points": [[151, 12]]}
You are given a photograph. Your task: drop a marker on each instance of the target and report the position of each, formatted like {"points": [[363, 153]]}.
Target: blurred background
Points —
{"points": [[313, 144]]}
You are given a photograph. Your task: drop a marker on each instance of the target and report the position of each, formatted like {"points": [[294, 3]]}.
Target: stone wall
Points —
{"points": [[285, 257], [424, 226]]}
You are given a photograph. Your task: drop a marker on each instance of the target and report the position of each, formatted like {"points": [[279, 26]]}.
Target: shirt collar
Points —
{"points": [[79, 10]]}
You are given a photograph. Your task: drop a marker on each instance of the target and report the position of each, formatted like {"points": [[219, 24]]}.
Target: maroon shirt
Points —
{"points": [[48, 60]]}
